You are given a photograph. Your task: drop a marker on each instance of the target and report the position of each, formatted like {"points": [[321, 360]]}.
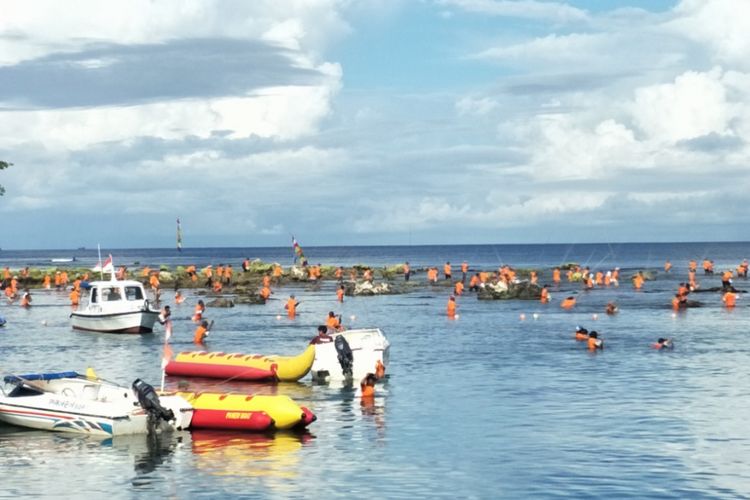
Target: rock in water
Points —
{"points": [[220, 302], [500, 291]]}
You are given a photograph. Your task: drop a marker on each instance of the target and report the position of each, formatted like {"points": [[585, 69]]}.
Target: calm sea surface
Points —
{"points": [[486, 406]]}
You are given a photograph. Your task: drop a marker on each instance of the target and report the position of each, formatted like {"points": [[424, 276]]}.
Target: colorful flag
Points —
{"points": [[298, 254], [108, 267], [179, 236]]}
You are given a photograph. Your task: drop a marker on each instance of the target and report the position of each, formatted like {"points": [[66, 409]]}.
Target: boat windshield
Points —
{"points": [[133, 293], [110, 294]]}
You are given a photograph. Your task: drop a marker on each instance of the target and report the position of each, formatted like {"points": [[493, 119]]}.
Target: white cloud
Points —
{"points": [[693, 106], [476, 106], [525, 9]]}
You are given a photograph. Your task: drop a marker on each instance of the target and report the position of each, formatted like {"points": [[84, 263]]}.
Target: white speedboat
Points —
{"points": [[365, 348], [115, 306], [69, 402]]}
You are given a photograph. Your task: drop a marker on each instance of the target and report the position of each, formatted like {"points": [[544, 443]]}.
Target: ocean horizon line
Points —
{"points": [[426, 245]]}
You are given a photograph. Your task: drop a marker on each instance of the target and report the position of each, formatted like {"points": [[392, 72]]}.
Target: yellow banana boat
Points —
{"points": [[242, 366], [213, 410]]}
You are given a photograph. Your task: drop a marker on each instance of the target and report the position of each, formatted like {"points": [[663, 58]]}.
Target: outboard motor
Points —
{"points": [[149, 401], [346, 358]]}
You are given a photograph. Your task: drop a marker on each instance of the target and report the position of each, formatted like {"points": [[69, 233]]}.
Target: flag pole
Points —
{"points": [[99, 251]]}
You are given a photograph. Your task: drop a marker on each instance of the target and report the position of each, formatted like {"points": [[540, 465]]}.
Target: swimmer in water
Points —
{"points": [[662, 344], [581, 334], [595, 342]]}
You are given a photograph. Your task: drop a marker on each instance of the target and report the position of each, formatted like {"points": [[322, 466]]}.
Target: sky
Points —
{"points": [[373, 122]]}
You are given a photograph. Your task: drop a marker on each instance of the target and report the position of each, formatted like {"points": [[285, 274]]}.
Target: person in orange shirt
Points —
{"points": [[407, 271], [339, 274], [594, 342], [46, 283], [265, 292], [447, 270], [451, 307], [228, 273], [340, 294], [267, 280], [729, 299], [64, 277], [667, 266], [464, 270], [458, 289], [581, 334], [178, 297], [74, 296], [291, 307], [219, 271], [217, 287], [599, 279], [568, 303], [544, 297], [201, 333], [379, 370], [334, 322], [638, 280]]}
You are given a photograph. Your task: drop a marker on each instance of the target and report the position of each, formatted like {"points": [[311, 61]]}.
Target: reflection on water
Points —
{"points": [[242, 454]]}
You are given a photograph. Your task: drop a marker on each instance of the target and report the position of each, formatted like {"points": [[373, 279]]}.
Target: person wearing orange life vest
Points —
{"points": [[178, 297], [729, 299], [450, 308], [46, 282], [334, 322], [340, 294], [638, 280], [544, 297], [594, 342], [556, 276], [339, 274], [228, 273], [74, 296], [201, 332], [217, 286], [458, 288], [265, 292], [447, 270], [726, 280], [291, 307], [367, 386], [474, 283], [568, 302], [277, 272], [379, 370]]}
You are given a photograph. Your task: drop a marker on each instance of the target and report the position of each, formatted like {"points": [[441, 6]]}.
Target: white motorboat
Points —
{"points": [[70, 402], [115, 306], [365, 348]]}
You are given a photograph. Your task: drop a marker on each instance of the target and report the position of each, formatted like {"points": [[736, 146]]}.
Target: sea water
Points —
{"points": [[486, 406]]}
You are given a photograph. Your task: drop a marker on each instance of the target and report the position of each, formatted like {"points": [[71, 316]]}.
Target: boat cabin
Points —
{"points": [[105, 296]]}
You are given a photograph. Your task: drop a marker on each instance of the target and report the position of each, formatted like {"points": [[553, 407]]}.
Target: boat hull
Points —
{"points": [[368, 347], [124, 322]]}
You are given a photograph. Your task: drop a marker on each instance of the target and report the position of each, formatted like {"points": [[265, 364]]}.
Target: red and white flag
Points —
{"points": [[107, 267]]}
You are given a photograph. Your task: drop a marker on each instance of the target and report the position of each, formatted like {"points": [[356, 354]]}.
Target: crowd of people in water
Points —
{"points": [[17, 287]]}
